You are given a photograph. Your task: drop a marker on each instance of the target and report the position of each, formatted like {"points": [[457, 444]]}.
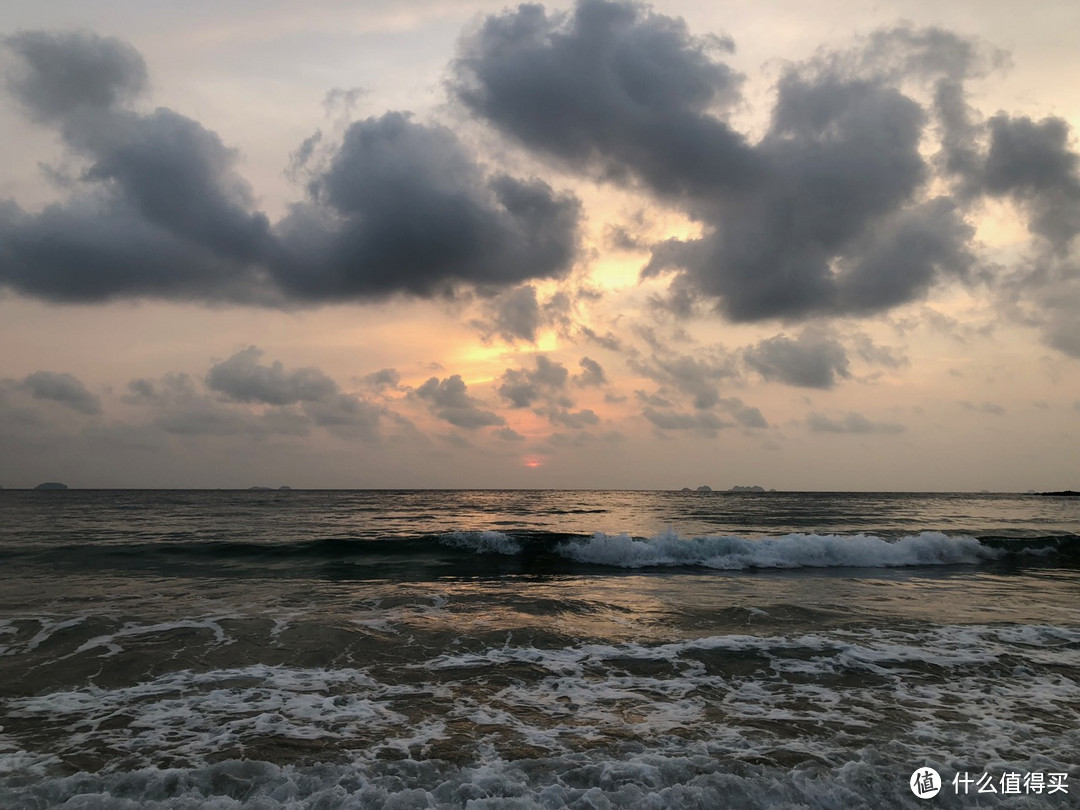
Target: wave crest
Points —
{"points": [[483, 542], [788, 551]]}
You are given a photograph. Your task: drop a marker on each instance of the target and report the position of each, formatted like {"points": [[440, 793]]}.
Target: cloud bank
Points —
{"points": [[859, 196], [160, 210]]}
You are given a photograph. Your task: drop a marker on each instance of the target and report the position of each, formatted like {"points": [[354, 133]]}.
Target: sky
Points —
{"points": [[804, 246]]}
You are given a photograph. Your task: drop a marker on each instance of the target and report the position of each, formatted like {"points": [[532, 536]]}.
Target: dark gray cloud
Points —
{"points": [[523, 387], [518, 314], [403, 208], [160, 210], [812, 360], [142, 391], [179, 405], [704, 423], [241, 378], [63, 388], [179, 177], [399, 207], [878, 355], [836, 225], [514, 315], [58, 75], [1059, 306], [346, 415], [543, 388], [383, 378], [851, 423], [621, 238], [449, 400], [204, 420], [592, 373], [575, 420], [96, 247], [608, 340], [1032, 162], [293, 402], [746, 415], [508, 434], [611, 87], [824, 215], [696, 377], [653, 400]]}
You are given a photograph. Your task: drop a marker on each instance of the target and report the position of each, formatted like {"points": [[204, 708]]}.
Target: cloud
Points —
{"points": [[522, 387], [746, 415], [508, 434], [403, 208], [383, 378], [517, 314], [871, 352], [242, 379], [704, 423], [608, 341], [449, 400], [851, 423], [1059, 304], [693, 376], [1031, 162], [160, 211], [204, 420], [346, 415], [571, 419], [399, 207], [592, 373], [514, 315], [654, 400], [63, 388], [812, 360], [290, 402], [59, 75], [609, 87], [825, 215], [543, 388], [179, 405]]}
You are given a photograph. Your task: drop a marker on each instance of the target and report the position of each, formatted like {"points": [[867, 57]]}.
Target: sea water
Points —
{"points": [[293, 649]]}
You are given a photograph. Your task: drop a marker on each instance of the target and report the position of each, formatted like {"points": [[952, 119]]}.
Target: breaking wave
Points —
{"points": [[496, 553], [789, 551]]}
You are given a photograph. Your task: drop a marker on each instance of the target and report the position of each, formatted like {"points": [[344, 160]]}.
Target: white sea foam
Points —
{"points": [[789, 551], [46, 628], [111, 641], [619, 725], [191, 714], [649, 779]]}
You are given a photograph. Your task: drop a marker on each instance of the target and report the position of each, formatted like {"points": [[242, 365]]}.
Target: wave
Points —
{"points": [[789, 551], [495, 553]]}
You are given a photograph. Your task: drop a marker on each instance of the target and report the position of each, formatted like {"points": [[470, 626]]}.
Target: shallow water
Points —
{"points": [[551, 649]]}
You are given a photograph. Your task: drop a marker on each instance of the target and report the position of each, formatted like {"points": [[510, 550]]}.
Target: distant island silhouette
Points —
{"points": [[51, 485], [706, 489], [1066, 492]]}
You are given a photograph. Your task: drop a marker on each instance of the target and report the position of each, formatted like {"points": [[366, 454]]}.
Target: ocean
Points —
{"points": [[548, 649]]}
